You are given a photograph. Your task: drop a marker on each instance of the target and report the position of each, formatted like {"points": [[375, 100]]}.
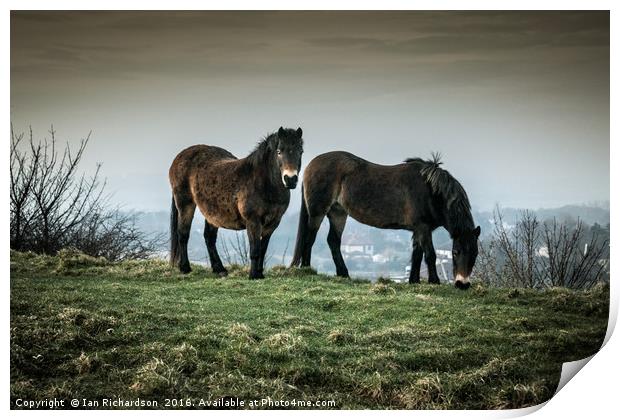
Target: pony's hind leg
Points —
{"points": [[264, 244], [184, 225], [210, 235], [337, 220], [314, 223]]}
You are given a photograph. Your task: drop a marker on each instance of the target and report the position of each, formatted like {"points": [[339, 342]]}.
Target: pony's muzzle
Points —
{"points": [[290, 180], [461, 282]]}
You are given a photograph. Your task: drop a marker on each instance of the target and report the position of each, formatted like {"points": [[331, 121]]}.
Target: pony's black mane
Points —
{"points": [[443, 184], [259, 155]]}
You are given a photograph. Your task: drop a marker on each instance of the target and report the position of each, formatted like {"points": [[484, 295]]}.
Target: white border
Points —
{"points": [[593, 394]]}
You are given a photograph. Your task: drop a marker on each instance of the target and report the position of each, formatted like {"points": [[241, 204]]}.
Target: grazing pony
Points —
{"points": [[416, 195], [250, 193]]}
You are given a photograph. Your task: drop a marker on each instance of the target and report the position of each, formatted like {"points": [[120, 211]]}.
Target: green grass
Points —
{"points": [[85, 328]]}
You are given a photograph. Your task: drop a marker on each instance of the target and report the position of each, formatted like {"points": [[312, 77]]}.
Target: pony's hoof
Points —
{"points": [[221, 273], [185, 270], [461, 285]]}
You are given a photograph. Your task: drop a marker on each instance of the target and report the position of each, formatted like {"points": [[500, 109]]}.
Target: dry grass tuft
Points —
{"points": [[283, 342], [520, 395], [156, 377], [240, 332], [339, 336], [373, 386], [86, 364], [426, 393], [384, 280], [478, 289], [382, 289], [185, 357], [316, 290], [71, 258]]}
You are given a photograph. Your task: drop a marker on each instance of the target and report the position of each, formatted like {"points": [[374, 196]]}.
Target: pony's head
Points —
{"points": [[464, 253], [289, 147]]}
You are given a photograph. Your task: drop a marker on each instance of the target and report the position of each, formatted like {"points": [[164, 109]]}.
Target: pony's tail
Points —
{"points": [[174, 241], [302, 231]]}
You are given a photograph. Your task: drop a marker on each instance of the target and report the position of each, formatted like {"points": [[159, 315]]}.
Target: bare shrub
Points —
{"points": [[519, 248], [114, 235], [53, 206], [236, 250], [573, 261], [48, 198], [536, 254], [488, 266]]}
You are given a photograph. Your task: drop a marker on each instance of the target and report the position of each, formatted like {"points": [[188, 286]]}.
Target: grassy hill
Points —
{"points": [[85, 328]]}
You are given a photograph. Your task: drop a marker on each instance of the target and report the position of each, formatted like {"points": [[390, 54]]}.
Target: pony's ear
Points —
{"points": [[299, 132], [477, 231], [281, 132]]}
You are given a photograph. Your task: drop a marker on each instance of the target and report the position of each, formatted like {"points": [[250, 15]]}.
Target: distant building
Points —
{"points": [[443, 254], [443, 261], [380, 258], [357, 243], [543, 251]]}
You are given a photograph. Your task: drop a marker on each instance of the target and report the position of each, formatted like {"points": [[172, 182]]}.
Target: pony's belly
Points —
{"points": [[377, 214], [228, 224], [222, 218], [379, 222]]}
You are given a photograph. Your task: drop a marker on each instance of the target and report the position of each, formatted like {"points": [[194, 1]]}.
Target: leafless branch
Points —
{"points": [[53, 207]]}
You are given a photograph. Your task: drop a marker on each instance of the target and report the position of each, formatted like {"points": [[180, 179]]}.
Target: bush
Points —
{"points": [[535, 254], [54, 207]]}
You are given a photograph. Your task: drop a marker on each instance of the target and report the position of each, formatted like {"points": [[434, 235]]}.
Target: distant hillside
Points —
{"points": [[589, 215], [394, 242], [586, 213]]}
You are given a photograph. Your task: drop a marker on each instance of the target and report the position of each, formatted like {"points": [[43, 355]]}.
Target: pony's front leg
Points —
{"points": [[430, 258], [416, 262], [264, 243], [254, 237], [423, 243]]}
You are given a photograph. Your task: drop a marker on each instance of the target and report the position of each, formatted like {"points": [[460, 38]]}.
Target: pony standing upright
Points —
{"points": [[416, 195], [250, 193]]}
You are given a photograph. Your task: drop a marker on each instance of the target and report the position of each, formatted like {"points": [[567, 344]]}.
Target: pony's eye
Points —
{"points": [[279, 151]]}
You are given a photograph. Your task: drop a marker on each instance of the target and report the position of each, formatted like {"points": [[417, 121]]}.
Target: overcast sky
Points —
{"points": [[517, 102]]}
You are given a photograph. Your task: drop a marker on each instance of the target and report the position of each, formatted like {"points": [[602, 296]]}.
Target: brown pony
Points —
{"points": [[250, 193], [416, 195]]}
